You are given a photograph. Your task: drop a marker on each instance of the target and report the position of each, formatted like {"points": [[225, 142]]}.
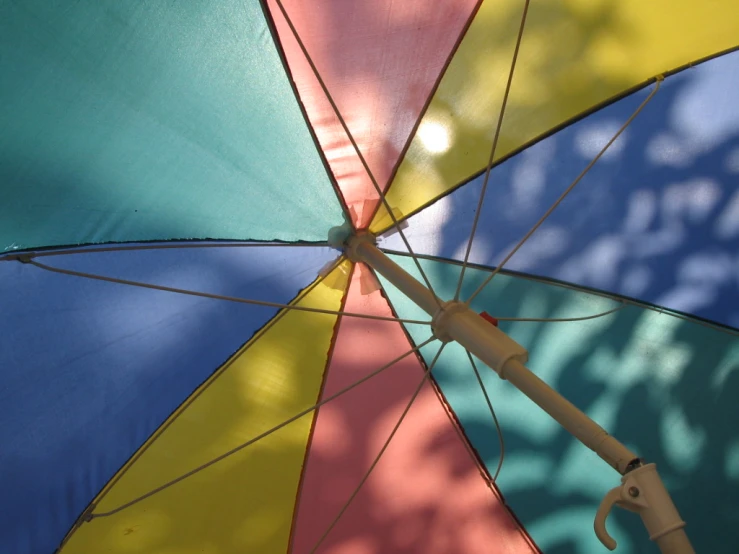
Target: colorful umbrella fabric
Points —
{"points": [[190, 363]]}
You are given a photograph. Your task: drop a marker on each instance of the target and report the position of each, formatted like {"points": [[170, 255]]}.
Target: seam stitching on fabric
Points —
{"points": [[319, 397], [424, 109], [269, 17], [153, 244]]}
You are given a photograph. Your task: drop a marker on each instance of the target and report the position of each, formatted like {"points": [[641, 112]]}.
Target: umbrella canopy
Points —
{"points": [[188, 366]]}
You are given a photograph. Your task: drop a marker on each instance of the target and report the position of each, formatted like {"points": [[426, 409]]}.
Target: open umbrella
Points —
{"points": [[258, 258]]}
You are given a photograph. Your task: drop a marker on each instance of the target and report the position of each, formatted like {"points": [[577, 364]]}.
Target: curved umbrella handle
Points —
{"points": [[611, 498]]}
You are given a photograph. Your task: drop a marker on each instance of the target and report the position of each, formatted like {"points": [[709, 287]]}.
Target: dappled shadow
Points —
{"points": [[663, 385], [122, 119], [552, 85], [560, 74], [379, 61], [548, 481], [655, 219], [91, 369], [418, 499], [245, 502]]}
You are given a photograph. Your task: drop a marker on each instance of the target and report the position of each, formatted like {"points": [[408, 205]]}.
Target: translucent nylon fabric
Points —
{"points": [[574, 55], [664, 386], [145, 121], [657, 218], [380, 60], [244, 502], [151, 121], [427, 494], [88, 370]]}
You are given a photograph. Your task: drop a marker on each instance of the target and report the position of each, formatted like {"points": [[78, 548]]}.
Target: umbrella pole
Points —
{"points": [[641, 489]]}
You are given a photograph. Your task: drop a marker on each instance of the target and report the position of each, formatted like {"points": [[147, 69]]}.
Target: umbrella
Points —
{"points": [[226, 228]]}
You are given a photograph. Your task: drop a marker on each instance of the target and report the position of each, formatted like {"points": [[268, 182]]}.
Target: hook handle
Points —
{"points": [[611, 498]]}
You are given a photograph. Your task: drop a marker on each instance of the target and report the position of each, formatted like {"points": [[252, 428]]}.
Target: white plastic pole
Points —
{"points": [[456, 321], [571, 418], [498, 351], [362, 249], [675, 542]]}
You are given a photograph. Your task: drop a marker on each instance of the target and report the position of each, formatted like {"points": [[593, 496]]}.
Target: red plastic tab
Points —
{"points": [[487, 317]]}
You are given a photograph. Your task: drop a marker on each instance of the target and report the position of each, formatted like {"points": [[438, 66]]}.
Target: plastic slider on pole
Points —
{"points": [[457, 321]]}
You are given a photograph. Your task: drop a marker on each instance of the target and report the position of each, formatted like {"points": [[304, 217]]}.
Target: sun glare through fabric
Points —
{"points": [[434, 136]]}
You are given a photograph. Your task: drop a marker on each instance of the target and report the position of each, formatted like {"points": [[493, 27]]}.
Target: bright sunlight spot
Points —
{"points": [[434, 137]]}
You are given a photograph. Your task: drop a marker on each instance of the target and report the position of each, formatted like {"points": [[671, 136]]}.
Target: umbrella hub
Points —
{"points": [[345, 238], [353, 242], [339, 236]]}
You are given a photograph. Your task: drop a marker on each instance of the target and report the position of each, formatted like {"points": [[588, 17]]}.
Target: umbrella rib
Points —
{"points": [[567, 191], [494, 147], [640, 305], [65, 251], [349, 135], [426, 374], [594, 292], [492, 414], [199, 294], [621, 306], [259, 437]]}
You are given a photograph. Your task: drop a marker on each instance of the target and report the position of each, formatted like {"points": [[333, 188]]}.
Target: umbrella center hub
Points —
{"points": [[339, 236], [353, 241]]}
